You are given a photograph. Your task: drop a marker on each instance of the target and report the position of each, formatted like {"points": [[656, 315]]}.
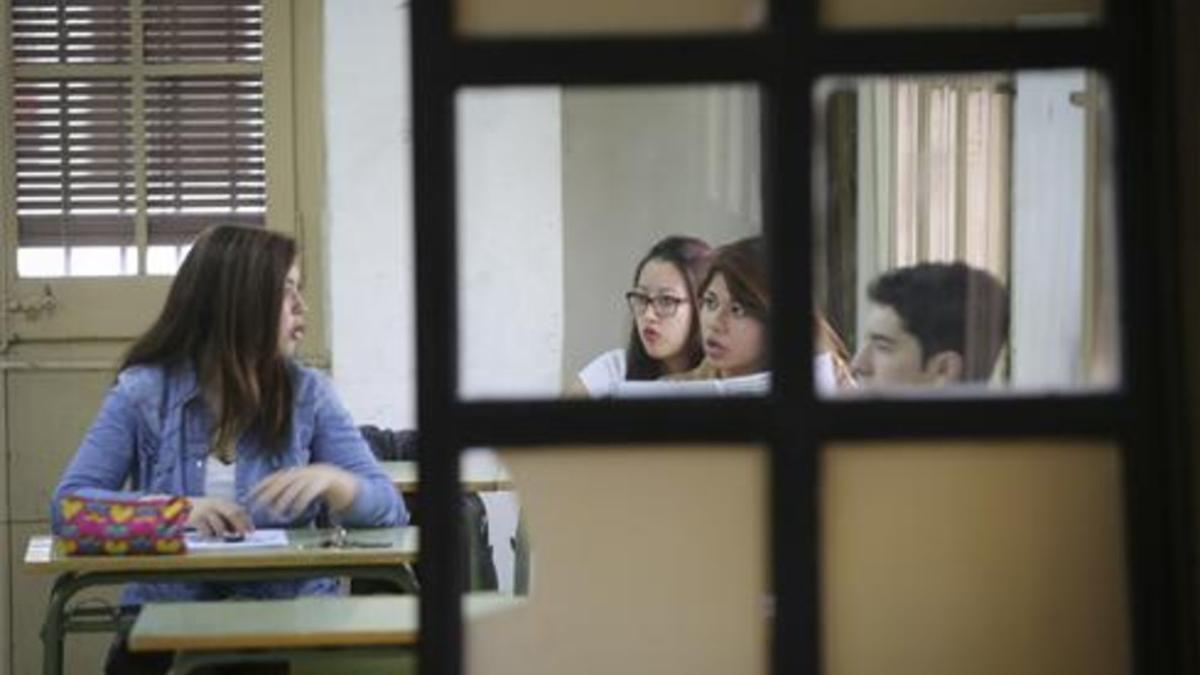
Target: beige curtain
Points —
{"points": [[950, 171], [934, 167]]}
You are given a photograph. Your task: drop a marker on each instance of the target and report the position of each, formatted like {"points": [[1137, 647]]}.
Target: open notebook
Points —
{"points": [[263, 538], [758, 384]]}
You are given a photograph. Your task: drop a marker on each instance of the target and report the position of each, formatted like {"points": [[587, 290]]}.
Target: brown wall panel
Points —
{"points": [[48, 413], [644, 560], [973, 557]]}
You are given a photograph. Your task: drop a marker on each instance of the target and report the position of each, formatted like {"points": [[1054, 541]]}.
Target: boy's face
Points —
{"points": [[890, 355]]}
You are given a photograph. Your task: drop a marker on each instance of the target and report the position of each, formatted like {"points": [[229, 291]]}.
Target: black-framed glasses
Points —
{"points": [[664, 305]]}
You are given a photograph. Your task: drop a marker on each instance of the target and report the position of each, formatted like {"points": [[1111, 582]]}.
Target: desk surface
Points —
{"points": [[42, 556], [478, 473], [303, 622]]}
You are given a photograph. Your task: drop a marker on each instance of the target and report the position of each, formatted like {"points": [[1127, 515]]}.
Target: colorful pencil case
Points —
{"points": [[145, 526]]}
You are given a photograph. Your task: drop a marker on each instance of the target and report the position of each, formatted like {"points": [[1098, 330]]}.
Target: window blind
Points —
{"points": [[74, 157], [198, 88], [70, 31], [204, 155], [223, 31]]}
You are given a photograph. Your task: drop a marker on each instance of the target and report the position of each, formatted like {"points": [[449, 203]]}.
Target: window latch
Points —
{"points": [[34, 307]]}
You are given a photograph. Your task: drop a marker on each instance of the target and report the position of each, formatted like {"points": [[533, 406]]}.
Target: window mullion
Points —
{"points": [[138, 86], [8, 173]]}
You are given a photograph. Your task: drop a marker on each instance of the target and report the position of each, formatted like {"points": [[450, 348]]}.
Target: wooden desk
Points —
{"points": [[478, 473], [303, 558], [215, 633], [302, 622], [303, 551]]}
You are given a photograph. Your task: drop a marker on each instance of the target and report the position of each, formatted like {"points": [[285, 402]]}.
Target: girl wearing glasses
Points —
{"points": [[735, 307], [665, 337], [735, 312], [211, 404]]}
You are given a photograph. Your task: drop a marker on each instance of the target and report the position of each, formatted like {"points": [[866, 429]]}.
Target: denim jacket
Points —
{"points": [[152, 437]]}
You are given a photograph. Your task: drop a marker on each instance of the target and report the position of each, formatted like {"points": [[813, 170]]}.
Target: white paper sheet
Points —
{"points": [[758, 384], [265, 538]]}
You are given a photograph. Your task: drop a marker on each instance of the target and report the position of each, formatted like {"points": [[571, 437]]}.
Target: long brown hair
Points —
{"points": [[826, 339], [222, 317], [690, 256], [744, 266]]}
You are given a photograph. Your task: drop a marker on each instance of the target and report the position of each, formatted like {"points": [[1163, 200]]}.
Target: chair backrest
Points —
{"points": [[390, 445], [480, 570]]}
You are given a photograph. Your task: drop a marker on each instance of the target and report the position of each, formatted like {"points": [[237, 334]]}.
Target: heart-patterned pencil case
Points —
{"points": [[104, 526]]}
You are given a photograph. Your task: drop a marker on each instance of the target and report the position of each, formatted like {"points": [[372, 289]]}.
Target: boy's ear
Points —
{"points": [[945, 368]]}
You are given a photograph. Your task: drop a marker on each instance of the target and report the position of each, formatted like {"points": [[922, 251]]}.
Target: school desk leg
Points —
{"points": [[52, 628], [520, 543]]}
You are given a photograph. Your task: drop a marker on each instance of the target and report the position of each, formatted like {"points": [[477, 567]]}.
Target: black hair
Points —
{"points": [[690, 256], [949, 307]]}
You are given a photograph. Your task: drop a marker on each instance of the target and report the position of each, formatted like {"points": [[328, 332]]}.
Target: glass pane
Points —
{"points": [[965, 231], [962, 556], [164, 260], [99, 261], [41, 261], [629, 567], [547, 17], [563, 195], [941, 13]]}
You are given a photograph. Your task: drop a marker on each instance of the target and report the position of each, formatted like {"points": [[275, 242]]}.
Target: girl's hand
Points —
{"points": [[289, 492], [216, 517]]}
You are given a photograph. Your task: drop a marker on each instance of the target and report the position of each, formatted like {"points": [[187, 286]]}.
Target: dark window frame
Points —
{"points": [[1131, 46]]}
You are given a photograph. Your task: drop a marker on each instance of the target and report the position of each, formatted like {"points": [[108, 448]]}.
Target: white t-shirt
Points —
{"points": [[825, 374], [605, 376], [219, 478], [755, 384], [604, 373]]}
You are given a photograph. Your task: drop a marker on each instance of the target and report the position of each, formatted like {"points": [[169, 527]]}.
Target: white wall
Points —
{"points": [[511, 215], [511, 175], [510, 243], [588, 176], [369, 197], [640, 164], [1048, 230]]}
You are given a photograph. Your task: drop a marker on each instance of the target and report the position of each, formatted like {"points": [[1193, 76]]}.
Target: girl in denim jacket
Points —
{"points": [[209, 403]]}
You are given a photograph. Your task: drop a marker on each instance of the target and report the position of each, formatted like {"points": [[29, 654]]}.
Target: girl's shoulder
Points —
{"points": [[149, 389], [604, 371], [142, 381], [308, 384], [613, 359]]}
